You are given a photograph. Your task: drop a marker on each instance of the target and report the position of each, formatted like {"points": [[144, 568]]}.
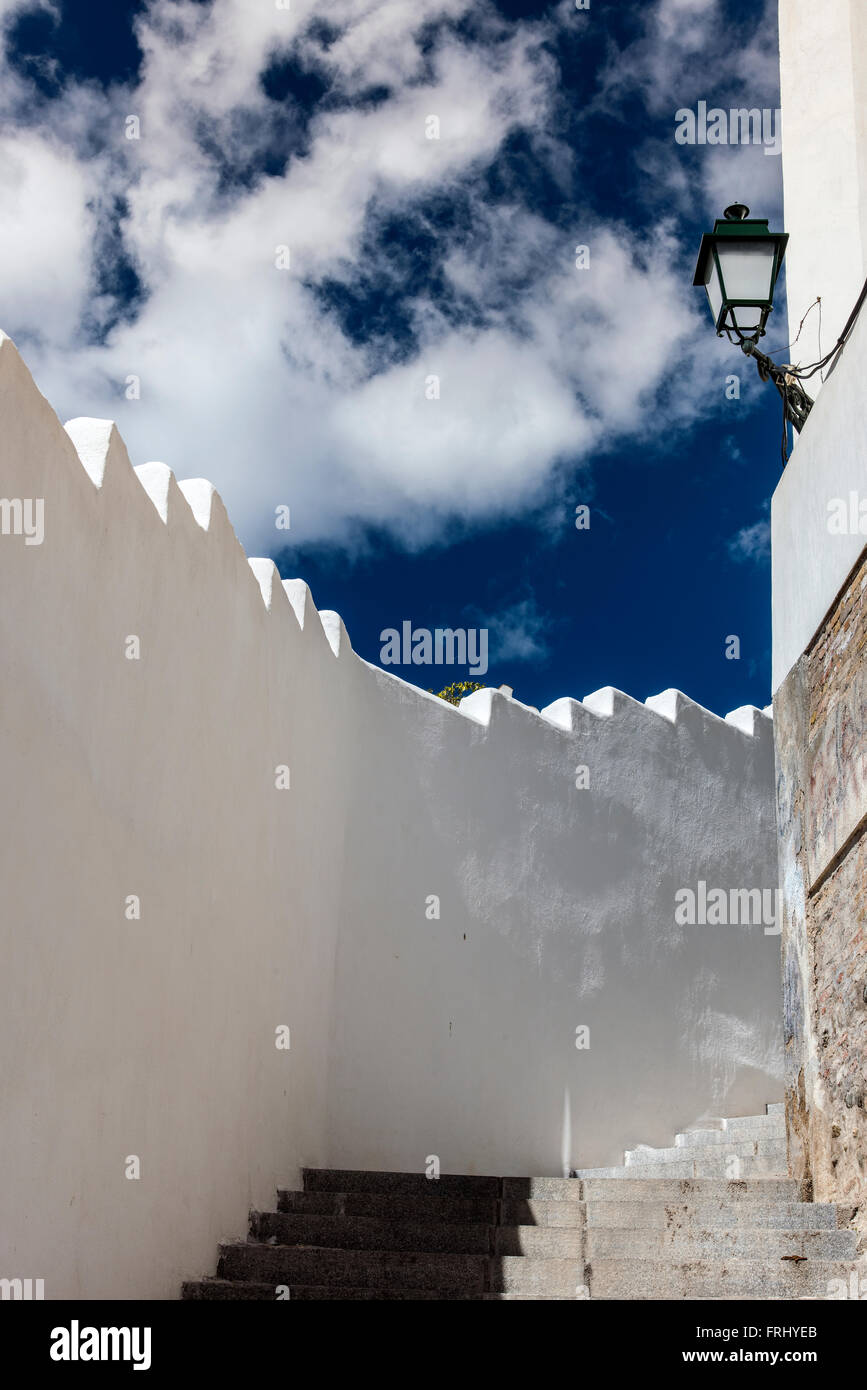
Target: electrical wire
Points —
{"points": [[803, 374], [817, 300]]}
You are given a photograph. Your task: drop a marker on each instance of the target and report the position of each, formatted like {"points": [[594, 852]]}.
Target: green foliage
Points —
{"points": [[455, 693]]}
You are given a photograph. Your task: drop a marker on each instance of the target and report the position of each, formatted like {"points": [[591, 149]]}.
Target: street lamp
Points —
{"points": [[738, 265]]}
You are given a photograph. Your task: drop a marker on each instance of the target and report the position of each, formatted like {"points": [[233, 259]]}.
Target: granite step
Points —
{"points": [[452, 1211], [367, 1233], [273, 1265], [768, 1128], [719, 1215], [282, 1264], [687, 1243], [748, 1149], [712, 1163], [694, 1190], [399, 1184], [714, 1278]]}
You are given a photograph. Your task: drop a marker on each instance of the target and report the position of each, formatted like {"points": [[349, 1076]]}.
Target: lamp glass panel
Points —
{"points": [[713, 287], [745, 317], [747, 269]]}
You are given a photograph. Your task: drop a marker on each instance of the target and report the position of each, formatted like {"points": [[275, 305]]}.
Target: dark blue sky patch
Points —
{"points": [[401, 260], [93, 41], [117, 287], [287, 79], [368, 99], [520, 174], [322, 32], [524, 9], [245, 148]]}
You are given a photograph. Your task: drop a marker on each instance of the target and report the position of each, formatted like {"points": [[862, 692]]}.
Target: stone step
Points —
{"points": [[536, 1213], [396, 1269], [217, 1290], [777, 1108], [281, 1264], [639, 1172], [734, 1123], [453, 1186], [690, 1243], [719, 1215], [515, 1274], [541, 1190], [746, 1149], [643, 1188], [453, 1211], [531, 1296], [714, 1279], [399, 1184], [712, 1164], [371, 1233], [771, 1127], [231, 1290], [720, 1163], [771, 1116], [541, 1242], [228, 1290]]}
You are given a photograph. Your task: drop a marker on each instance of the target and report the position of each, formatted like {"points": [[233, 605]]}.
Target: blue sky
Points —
{"points": [[307, 384]]}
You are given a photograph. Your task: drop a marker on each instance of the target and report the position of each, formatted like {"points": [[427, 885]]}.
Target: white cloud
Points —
{"points": [[246, 376], [517, 634], [752, 543], [46, 232], [12, 9]]}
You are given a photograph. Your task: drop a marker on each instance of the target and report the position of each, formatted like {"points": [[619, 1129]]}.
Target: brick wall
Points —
{"points": [[820, 716]]}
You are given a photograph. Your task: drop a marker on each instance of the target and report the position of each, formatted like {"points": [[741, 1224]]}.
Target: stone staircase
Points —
{"points": [[751, 1146], [670, 1224]]}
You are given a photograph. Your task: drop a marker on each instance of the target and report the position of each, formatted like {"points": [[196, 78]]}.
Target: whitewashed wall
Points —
{"points": [[457, 1037], [823, 83], [154, 777], [261, 907], [823, 90], [819, 507]]}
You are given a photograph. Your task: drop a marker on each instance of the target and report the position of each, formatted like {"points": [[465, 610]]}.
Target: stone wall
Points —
{"points": [[821, 729], [819, 525]]}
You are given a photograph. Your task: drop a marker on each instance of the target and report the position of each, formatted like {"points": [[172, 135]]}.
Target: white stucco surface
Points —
{"points": [[823, 75], [809, 561], [457, 1037], [306, 907], [823, 89]]}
